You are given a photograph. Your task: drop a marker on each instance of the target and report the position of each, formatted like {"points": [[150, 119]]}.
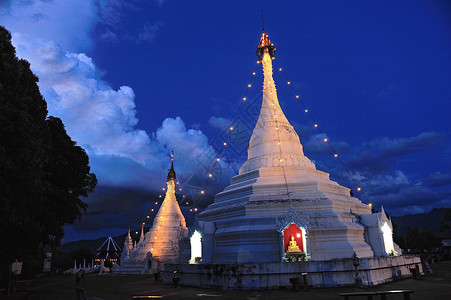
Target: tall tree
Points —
{"points": [[43, 173]]}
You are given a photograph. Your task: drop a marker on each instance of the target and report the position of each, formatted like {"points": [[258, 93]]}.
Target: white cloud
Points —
{"points": [[67, 22], [219, 122], [99, 118]]}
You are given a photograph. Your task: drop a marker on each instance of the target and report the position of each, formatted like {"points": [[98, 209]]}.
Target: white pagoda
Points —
{"points": [[280, 198], [161, 243]]}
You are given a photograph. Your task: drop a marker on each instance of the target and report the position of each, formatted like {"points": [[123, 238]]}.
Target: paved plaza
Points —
{"points": [[121, 287]]}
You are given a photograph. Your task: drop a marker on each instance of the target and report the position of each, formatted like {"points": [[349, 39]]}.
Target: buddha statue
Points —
{"points": [[292, 246]]}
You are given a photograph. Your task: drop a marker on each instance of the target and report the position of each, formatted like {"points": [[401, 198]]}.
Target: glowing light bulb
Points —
{"points": [[180, 189], [298, 235], [370, 204], [137, 232], [186, 202], [218, 159], [150, 210], [289, 82], [253, 73], [210, 175], [325, 140], [280, 69], [297, 96], [202, 192], [183, 196], [336, 155], [244, 98], [195, 209], [281, 159], [249, 85], [225, 144], [159, 196], [231, 128], [148, 216], [163, 189], [151, 249], [306, 110], [156, 202], [155, 238], [279, 143], [316, 125], [191, 209], [277, 128], [359, 189]]}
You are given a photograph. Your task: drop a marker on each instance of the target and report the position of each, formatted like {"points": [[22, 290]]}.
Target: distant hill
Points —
{"points": [[431, 220], [91, 244]]}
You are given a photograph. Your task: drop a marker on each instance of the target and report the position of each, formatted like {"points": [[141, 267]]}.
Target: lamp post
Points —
{"points": [[356, 263]]}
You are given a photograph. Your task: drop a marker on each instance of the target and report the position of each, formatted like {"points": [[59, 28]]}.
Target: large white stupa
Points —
{"points": [[161, 243], [278, 186]]}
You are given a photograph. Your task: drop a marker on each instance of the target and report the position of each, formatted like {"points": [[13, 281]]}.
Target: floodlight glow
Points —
{"points": [[388, 238], [196, 246]]}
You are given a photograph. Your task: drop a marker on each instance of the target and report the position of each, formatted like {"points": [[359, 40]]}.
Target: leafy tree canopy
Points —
{"points": [[43, 173]]}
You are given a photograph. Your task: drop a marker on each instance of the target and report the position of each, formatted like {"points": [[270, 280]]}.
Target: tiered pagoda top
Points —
{"points": [[274, 142]]}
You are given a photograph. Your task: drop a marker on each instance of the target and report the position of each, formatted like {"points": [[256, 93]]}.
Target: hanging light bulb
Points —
{"points": [[253, 73], [297, 96], [316, 125], [159, 196], [280, 69], [210, 175], [370, 204], [202, 192], [191, 209], [163, 189], [231, 128], [249, 85], [156, 203], [149, 216], [187, 202], [150, 210], [244, 98], [306, 110], [218, 159], [180, 189], [225, 144], [195, 209], [336, 155], [325, 139], [359, 189], [289, 82]]}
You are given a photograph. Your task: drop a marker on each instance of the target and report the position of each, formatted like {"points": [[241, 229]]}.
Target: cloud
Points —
{"points": [[103, 120], [219, 122], [316, 144], [149, 32], [57, 20], [379, 155]]}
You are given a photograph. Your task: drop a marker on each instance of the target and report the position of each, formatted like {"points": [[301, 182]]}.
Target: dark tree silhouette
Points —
{"points": [[43, 173]]}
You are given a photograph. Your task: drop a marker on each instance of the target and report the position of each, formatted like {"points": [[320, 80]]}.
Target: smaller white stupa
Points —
{"points": [[161, 243]]}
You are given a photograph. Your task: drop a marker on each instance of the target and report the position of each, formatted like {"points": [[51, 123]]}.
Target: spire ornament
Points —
{"points": [[171, 171], [265, 44]]}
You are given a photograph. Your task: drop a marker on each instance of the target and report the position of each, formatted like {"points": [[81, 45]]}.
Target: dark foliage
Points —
{"points": [[43, 173], [419, 239]]}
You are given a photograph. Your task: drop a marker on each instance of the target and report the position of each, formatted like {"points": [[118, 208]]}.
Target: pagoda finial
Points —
{"points": [[265, 44], [263, 22], [171, 173]]}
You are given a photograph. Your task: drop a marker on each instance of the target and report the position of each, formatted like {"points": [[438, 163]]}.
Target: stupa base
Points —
{"points": [[330, 273]]}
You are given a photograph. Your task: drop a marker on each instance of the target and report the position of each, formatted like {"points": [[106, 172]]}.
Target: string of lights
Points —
{"points": [[325, 138], [214, 163]]}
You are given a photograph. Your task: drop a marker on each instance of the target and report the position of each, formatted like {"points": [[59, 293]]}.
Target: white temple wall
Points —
{"points": [[332, 273]]}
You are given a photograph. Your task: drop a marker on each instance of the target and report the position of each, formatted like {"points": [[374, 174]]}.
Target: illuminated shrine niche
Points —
{"points": [[293, 231], [388, 238], [196, 247]]}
